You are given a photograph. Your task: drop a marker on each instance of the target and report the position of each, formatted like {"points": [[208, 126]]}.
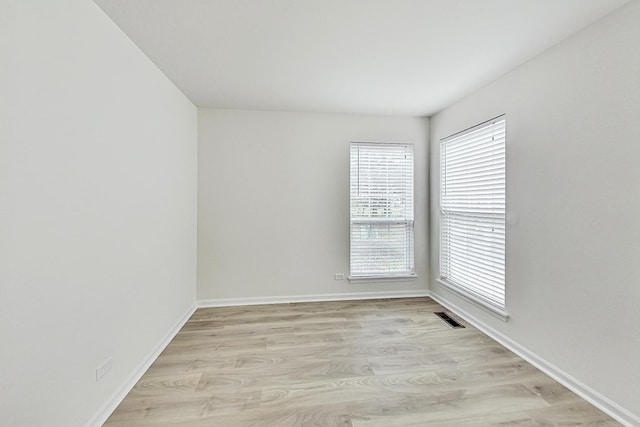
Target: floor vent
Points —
{"points": [[448, 320]]}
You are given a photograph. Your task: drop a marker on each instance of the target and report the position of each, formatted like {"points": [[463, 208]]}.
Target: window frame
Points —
{"points": [[408, 221], [472, 290]]}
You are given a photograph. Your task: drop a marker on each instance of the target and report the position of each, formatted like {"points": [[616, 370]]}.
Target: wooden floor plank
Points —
{"points": [[388, 362]]}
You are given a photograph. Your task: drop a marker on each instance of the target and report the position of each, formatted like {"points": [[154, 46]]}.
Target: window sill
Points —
{"points": [[494, 311], [375, 279]]}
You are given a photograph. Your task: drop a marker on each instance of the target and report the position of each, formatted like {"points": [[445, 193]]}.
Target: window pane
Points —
{"points": [[381, 248]]}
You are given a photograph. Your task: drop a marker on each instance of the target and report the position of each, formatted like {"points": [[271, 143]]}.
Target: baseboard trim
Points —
{"points": [[101, 416], [601, 402], [229, 302]]}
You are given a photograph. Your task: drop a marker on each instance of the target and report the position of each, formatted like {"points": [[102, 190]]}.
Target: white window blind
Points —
{"points": [[381, 210], [472, 208]]}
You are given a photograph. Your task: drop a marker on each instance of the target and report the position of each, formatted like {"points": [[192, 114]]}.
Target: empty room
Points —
{"points": [[319, 213]]}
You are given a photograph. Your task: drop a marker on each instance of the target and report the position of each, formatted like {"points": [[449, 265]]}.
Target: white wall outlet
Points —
{"points": [[103, 369], [338, 276]]}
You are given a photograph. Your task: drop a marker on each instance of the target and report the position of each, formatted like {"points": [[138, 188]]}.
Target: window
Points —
{"points": [[472, 209], [381, 210]]}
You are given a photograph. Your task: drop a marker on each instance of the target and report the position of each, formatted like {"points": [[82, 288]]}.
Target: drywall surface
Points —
{"points": [[97, 210], [573, 211], [273, 207]]}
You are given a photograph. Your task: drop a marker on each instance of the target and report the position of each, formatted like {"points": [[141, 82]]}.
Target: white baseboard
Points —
{"points": [[611, 408], [101, 416], [228, 302]]}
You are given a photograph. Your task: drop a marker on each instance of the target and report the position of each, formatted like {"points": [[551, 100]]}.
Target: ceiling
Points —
{"points": [[392, 57]]}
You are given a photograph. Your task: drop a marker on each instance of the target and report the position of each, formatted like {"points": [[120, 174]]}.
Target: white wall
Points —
{"points": [[573, 186], [97, 210], [273, 217]]}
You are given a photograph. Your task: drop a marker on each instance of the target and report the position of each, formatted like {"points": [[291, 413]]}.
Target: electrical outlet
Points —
{"points": [[338, 276], [102, 370]]}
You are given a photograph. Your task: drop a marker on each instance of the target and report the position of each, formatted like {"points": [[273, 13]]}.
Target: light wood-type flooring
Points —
{"points": [[363, 363]]}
